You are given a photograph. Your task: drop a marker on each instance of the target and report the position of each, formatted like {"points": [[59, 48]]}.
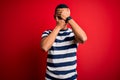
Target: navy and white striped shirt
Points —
{"points": [[61, 60]]}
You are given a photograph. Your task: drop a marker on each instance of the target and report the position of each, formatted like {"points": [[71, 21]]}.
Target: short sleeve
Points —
{"points": [[45, 33]]}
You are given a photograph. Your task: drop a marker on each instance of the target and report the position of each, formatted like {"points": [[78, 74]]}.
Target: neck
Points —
{"points": [[65, 28]]}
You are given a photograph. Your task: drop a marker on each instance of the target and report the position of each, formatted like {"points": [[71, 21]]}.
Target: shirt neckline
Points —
{"points": [[64, 29]]}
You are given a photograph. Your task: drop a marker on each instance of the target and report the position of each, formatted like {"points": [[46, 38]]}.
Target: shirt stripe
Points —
{"points": [[48, 77], [62, 51], [61, 76], [62, 68], [64, 43], [61, 64], [64, 47], [61, 55], [63, 72]]}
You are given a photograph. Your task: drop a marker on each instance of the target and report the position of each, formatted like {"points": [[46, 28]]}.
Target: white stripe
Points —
{"points": [[62, 68], [69, 30], [63, 37], [66, 43], [57, 52], [61, 76], [44, 35], [68, 59]]}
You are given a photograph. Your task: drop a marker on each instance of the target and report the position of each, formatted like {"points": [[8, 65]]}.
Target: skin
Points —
{"points": [[80, 35]]}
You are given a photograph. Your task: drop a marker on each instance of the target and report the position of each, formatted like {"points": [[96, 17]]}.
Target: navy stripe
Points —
{"points": [[64, 34], [47, 32], [61, 55], [52, 78], [62, 72], [63, 47], [61, 64], [66, 39]]}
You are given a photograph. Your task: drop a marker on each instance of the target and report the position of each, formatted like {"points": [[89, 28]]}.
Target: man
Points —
{"points": [[61, 44]]}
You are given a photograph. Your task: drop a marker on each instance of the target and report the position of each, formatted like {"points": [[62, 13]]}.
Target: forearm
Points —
{"points": [[47, 42], [80, 35]]}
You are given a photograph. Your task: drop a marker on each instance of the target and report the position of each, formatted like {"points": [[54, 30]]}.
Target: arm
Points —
{"points": [[47, 42], [80, 35]]}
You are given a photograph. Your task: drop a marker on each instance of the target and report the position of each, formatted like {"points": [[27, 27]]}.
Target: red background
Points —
{"points": [[22, 23]]}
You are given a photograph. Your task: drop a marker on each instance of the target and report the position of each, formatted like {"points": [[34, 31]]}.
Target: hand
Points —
{"points": [[60, 23], [63, 13]]}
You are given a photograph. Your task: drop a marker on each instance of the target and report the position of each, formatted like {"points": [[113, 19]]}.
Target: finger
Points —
{"points": [[56, 18], [58, 12]]}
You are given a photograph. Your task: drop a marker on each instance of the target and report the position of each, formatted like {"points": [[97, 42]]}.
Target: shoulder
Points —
{"points": [[47, 31]]}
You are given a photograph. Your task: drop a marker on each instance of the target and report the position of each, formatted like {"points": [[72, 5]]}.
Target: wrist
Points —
{"points": [[67, 19], [58, 28]]}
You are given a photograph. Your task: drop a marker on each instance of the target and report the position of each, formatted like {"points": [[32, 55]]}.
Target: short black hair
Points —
{"points": [[61, 6]]}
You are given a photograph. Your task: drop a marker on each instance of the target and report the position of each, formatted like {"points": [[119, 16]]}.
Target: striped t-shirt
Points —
{"points": [[61, 59]]}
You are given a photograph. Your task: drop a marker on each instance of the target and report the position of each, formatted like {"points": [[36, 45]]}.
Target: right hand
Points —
{"points": [[60, 23]]}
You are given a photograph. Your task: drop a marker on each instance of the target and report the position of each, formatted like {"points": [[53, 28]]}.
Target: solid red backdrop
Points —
{"points": [[22, 23]]}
